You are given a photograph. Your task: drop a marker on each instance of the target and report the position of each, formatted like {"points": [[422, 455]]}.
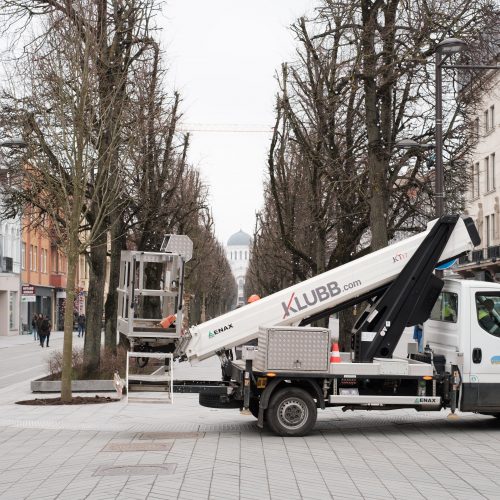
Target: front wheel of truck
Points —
{"points": [[292, 412]]}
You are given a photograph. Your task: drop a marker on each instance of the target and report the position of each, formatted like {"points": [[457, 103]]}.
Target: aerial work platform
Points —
{"points": [[151, 290]]}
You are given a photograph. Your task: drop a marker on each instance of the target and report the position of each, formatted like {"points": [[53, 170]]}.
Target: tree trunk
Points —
{"points": [[92, 346], [111, 306], [378, 202], [376, 165], [67, 365]]}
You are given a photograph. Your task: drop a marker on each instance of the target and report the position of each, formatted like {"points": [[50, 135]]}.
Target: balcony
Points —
{"points": [[58, 280], [6, 264], [478, 261]]}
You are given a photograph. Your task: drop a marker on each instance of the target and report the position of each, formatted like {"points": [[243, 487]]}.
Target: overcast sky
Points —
{"points": [[222, 56]]}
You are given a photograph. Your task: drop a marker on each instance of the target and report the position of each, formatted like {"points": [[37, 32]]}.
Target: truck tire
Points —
{"points": [[292, 412], [215, 401]]}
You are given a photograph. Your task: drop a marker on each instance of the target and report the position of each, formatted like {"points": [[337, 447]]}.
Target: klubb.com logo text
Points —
{"points": [[298, 303]]}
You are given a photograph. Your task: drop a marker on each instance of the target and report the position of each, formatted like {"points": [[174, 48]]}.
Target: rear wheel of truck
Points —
{"points": [[292, 412]]}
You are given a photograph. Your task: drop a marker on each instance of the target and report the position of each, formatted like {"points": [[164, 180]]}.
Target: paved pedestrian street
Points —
{"points": [[184, 451]]}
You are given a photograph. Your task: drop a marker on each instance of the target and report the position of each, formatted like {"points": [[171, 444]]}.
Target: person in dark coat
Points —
{"points": [[39, 322], [45, 329], [34, 330], [81, 325]]}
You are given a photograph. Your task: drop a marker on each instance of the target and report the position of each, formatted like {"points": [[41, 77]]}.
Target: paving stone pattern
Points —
{"points": [[184, 451], [372, 455]]}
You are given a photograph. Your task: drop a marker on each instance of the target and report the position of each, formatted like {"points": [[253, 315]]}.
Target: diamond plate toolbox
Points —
{"points": [[293, 349]]}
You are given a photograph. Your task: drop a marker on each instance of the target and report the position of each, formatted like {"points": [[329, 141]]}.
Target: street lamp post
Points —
{"points": [[445, 50]]}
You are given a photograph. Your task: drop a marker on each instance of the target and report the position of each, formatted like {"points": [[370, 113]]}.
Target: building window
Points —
{"points": [[492, 117], [35, 257], [475, 181], [488, 230], [241, 255], [43, 260], [486, 121], [493, 231], [492, 170], [23, 256], [12, 310], [476, 128], [31, 257], [490, 175], [55, 268]]}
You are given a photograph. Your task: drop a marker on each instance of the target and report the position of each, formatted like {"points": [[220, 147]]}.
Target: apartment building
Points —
{"points": [[43, 274], [10, 233], [483, 203]]}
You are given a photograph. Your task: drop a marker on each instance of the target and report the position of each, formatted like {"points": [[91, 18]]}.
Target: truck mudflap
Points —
{"points": [[418, 402]]}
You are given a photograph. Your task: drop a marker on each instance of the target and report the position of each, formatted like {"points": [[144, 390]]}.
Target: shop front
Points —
{"points": [[9, 304], [35, 300]]}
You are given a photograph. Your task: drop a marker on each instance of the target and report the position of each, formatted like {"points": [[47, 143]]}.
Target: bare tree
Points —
{"points": [[337, 185], [117, 32], [54, 109]]}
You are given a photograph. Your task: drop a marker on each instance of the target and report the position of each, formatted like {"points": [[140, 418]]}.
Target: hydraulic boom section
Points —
{"points": [[338, 288], [408, 300]]}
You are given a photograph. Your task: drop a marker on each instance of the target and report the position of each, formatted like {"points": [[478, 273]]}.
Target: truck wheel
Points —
{"points": [[291, 412]]}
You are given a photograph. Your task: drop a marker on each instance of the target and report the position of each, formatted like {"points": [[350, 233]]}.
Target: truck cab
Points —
{"points": [[464, 328]]}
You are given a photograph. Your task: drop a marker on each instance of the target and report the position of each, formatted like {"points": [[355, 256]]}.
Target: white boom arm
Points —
{"points": [[327, 290]]}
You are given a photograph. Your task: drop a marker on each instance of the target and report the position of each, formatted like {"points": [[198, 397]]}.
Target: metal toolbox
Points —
{"points": [[287, 348]]}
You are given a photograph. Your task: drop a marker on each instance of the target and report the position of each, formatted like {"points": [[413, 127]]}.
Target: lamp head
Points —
{"points": [[15, 142], [411, 144], [451, 46]]}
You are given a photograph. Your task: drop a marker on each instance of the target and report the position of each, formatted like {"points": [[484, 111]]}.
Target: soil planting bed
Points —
{"points": [[77, 400]]}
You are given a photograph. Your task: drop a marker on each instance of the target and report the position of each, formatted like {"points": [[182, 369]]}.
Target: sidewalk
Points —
{"points": [[184, 451], [15, 340]]}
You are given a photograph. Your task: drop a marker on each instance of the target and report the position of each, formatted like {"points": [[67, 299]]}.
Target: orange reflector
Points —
{"points": [[427, 377], [271, 374]]}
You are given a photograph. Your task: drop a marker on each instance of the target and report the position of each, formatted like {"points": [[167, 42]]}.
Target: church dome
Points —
{"points": [[239, 239]]}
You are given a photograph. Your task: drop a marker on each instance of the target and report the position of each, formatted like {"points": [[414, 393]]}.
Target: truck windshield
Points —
{"points": [[445, 308]]}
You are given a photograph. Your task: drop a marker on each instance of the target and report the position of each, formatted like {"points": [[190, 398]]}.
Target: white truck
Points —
{"points": [[289, 375]]}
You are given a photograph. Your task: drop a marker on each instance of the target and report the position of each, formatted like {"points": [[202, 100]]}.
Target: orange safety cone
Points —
{"points": [[335, 354]]}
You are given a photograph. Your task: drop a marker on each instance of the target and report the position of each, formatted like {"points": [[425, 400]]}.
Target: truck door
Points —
{"points": [[484, 389]]}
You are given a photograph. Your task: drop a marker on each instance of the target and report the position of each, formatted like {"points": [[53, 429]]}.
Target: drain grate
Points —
{"points": [[135, 446], [171, 435], [136, 470]]}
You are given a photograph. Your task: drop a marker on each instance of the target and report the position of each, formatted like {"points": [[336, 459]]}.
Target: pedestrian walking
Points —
{"points": [[48, 329], [34, 330], [81, 325], [45, 330], [39, 322]]}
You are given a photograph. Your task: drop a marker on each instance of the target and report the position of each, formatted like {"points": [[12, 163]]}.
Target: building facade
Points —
{"points": [[10, 284], [483, 201], [43, 275], [238, 255], [44, 278]]}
